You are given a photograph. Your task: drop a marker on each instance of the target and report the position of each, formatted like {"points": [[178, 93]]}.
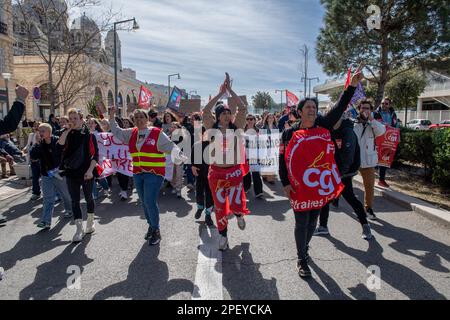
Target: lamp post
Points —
{"points": [[116, 82], [281, 94], [7, 76], [170, 76], [309, 80]]}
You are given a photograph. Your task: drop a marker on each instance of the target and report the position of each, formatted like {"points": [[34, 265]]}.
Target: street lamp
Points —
{"points": [[281, 94], [116, 82], [310, 79], [170, 76], [7, 76]]}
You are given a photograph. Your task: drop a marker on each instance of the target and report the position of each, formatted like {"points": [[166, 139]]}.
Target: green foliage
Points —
{"points": [[406, 88], [263, 100], [430, 149], [91, 106], [441, 155], [412, 33]]}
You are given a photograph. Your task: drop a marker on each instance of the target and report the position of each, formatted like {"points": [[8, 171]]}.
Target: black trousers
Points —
{"points": [[349, 195], [74, 185], [203, 194], [123, 181], [257, 182], [305, 225]]}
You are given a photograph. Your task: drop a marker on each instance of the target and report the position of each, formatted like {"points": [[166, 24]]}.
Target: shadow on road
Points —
{"points": [[148, 278], [242, 278], [52, 277], [33, 245], [398, 276], [331, 291], [408, 240]]}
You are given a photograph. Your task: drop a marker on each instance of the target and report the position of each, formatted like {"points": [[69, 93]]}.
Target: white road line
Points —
{"points": [[208, 277]]}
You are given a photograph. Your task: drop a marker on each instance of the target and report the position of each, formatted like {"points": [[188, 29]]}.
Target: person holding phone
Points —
{"points": [[79, 161], [367, 129]]}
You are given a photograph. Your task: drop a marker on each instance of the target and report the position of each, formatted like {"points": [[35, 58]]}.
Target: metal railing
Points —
{"points": [[3, 28]]}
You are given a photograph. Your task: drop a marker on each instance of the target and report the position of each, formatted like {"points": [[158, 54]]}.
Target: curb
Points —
{"points": [[416, 205]]}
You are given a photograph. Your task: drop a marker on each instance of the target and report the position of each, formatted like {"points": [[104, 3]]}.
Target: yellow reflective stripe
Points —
{"points": [[149, 155], [149, 164]]}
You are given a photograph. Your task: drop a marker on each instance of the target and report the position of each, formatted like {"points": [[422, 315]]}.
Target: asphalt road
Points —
{"points": [[411, 252]]}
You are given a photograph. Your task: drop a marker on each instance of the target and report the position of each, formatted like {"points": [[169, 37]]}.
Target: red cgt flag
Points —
{"points": [[349, 78], [145, 97], [292, 99]]}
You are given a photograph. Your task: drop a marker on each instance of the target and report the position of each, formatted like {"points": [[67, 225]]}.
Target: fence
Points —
{"points": [[434, 116]]}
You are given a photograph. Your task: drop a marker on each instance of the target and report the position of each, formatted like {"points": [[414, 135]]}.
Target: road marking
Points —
{"points": [[208, 277]]}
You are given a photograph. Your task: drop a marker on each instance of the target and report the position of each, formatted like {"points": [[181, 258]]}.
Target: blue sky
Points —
{"points": [[257, 41]]}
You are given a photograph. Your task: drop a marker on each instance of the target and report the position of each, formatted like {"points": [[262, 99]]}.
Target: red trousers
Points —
{"points": [[227, 188]]}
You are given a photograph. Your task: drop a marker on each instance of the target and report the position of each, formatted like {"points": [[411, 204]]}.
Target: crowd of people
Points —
{"points": [[63, 154]]}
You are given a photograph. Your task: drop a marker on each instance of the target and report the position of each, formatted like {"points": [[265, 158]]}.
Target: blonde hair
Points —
{"points": [[46, 126], [77, 111]]}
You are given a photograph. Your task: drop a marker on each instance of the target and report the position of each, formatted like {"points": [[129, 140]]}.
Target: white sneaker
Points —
{"points": [[79, 233], [241, 222], [35, 197], [90, 223], [223, 243], [123, 195]]}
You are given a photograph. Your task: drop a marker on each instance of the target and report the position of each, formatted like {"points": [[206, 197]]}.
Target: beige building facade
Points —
{"points": [[6, 55]]}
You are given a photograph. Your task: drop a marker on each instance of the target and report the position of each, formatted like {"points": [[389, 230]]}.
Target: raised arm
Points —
{"points": [[208, 119], [123, 135], [329, 120]]}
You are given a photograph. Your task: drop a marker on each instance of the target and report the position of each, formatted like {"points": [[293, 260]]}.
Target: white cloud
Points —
{"points": [[256, 41]]}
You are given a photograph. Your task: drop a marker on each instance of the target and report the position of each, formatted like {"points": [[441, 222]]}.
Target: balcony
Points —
{"points": [[3, 28]]}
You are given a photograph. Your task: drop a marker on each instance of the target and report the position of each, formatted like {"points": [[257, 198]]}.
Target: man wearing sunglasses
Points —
{"points": [[386, 114]]}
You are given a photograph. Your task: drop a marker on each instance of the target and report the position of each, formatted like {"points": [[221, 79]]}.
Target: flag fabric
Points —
{"points": [[349, 78], [312, 169], [359, 95], [292, 99], [145, 97], [175, 99]]}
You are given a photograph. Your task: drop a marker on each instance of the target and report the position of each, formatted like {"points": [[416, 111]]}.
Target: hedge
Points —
{"points": [[431, 150]]}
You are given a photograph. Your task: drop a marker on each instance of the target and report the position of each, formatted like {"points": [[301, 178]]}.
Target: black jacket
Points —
{"points": [[74, 140], [328, 121], [49, 155], [12, 119], [348, 156]]}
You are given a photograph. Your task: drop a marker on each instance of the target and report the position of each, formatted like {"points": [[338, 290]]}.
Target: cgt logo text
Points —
{"points": [[226, 310]]}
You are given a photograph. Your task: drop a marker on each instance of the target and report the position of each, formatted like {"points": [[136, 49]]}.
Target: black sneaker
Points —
{"points": [[155, 239], [198, 214], [370, 214], [209, 221], [303, 269], [3, 220], [149, 233]]}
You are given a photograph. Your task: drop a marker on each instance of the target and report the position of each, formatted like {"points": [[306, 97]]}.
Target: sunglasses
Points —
{"points": [[250, 119]]}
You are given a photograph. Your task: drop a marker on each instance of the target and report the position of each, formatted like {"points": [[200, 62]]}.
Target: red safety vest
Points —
{"points": [[148, 158]]}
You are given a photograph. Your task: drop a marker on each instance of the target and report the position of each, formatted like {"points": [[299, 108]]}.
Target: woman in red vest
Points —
{"points": [[148, 147]]}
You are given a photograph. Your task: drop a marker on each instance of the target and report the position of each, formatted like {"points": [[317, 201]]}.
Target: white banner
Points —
{"points": [[114, 155], [263, 152]]}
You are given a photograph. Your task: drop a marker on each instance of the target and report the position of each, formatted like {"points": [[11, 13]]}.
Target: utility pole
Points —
{"points": [[309, 81], [281, 94], [305, 52]]}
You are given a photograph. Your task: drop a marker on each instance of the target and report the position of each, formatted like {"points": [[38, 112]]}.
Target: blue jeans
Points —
{"points": [[148, 186], [49, 188], [103, 183], [35, 175]]}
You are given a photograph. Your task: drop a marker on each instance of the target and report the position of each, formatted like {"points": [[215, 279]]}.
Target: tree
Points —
{"points": [[54, 43], [410, 34], [263, 100], [406, 88]]}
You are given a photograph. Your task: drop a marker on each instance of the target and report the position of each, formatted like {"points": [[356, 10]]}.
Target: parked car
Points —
{"points": [[441, 125], [419, 124]]}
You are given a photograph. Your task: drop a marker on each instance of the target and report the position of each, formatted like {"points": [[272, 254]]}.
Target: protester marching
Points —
{"points": [[218, 153]]}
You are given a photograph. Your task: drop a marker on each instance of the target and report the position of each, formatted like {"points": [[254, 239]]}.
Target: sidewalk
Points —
{"points": [[13, 187], [416, 205]]}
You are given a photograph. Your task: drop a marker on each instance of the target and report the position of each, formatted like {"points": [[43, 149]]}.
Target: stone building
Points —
{"points": [[6, 54]]}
